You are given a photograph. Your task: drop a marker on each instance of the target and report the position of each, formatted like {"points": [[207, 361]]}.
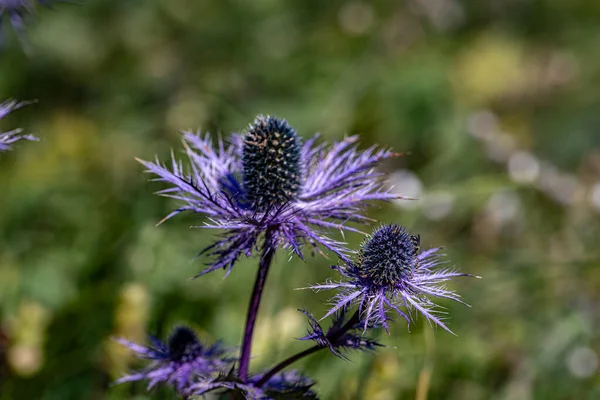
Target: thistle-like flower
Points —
{"points": [[391, 272], [10, 137], [341, 336], [179, 361], [267, 182]]}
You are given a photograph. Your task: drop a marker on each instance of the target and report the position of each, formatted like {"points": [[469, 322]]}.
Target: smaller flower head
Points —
{"points": [[341, 336], [390, 272], [10, 137], [178, 361]]}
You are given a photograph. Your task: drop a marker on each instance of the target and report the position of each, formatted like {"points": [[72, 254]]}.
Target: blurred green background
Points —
{"points": [[497, 103]]}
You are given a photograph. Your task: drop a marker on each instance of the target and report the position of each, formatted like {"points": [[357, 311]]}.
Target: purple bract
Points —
{"points": [[339, 338], [10, 137]]}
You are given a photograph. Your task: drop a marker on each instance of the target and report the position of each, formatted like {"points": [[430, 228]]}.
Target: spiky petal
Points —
{"points": [[7, 139], [339, 337]]}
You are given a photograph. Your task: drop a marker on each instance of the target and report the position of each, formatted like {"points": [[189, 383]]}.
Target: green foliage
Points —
{"points": [[496, 102]]}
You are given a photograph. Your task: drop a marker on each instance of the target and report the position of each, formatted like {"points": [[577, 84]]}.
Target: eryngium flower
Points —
{"points": [[340, 337], [178, 361], [284, 385], [269, 181], [10, 137], [392, 272]]}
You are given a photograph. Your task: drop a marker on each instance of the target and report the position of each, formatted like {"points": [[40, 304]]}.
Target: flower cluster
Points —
{"points": [[10, 137], [268, 189], [267, 180], [268, 186]]}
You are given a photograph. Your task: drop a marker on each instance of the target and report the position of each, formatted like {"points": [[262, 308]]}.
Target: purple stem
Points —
{"points": [[261, 277], [355, 319]]}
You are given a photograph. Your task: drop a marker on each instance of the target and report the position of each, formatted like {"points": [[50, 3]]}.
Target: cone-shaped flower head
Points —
{"points": [[391, 273], [10, 137], [268, 180], [271, 164], [388, 256], [178, 361]]}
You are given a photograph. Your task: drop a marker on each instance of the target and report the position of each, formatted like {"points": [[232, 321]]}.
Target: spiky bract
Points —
{"points": [[340, 337], [296, 195], [10, 137]]}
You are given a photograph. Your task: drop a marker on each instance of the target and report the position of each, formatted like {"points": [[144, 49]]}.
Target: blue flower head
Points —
{"points": [[390, 273], [271, 164], [10, 137], [268, 183], [179, 360]]}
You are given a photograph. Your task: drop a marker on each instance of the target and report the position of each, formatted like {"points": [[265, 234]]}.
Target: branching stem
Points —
{"points": [[259, 284], [355, 319]]}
